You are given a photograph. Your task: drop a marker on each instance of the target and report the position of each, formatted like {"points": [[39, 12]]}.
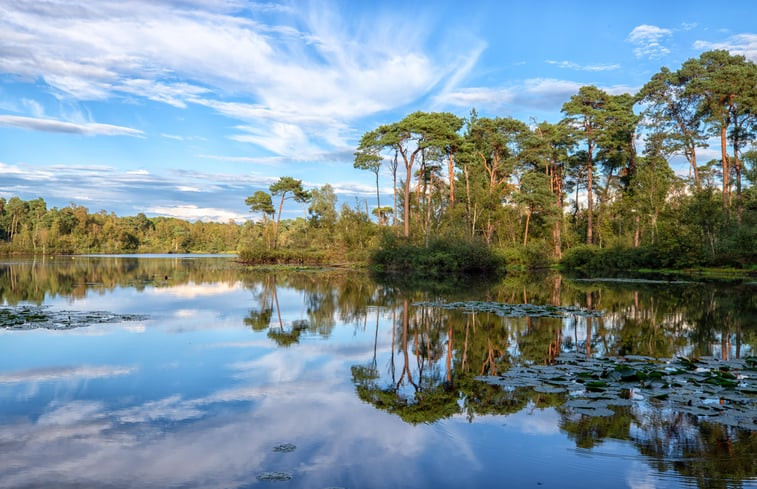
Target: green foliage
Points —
{"points": [[29, 227], [532, 256], [322, 208], [263, 256], [589, 258], [261, 202], [440, 258], [496, 193]]}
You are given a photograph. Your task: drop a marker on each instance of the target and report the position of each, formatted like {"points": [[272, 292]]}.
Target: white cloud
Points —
{"points": [[52, 125], [34, 107], [193, 213], [288, 84], [648, 41], [575, 66], [538, 93], [258, 160], [280, 138], [174, 94], [470, 97], [7, 169], [744, 44], [173, 136]]}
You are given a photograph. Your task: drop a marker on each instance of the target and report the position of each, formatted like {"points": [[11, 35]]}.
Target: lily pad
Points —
{"points": [[35, 317], [705, 387], [274, 476], [514, 310], [285, 448], [599, 411]]}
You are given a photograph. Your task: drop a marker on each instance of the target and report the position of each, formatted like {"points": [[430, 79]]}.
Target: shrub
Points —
{"points": [[441, 257], [535, 255], [262, 256]]}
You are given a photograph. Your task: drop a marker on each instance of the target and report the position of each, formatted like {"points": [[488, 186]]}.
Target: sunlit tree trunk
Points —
{"points": [[451, 169], [589, 197], [726, 166], [528, 221]]}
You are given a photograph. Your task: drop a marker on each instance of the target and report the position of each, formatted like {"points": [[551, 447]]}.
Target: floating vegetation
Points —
{"points": [[285, 448], [34, 317], [633, 280], [274, 476], [515, 310], [723, 391]]}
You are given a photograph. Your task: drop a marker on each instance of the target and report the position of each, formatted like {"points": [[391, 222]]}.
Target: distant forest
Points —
{"points": [[495, 191]]}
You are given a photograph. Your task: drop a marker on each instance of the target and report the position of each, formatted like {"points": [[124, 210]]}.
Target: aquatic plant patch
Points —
{"points": [[722, 391], [515, 310], [33, 317], [274, 476]]}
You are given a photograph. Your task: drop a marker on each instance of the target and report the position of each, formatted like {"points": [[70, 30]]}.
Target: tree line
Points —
{"points": [[531, 193], [536, 191], [30, 227]]}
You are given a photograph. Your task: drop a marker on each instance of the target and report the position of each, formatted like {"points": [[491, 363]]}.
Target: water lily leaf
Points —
{"points": [[619, 402], [601, 411], [596, 385], [285, 448], [580, 403], [698, 386], [35, 317], [274, 476]]}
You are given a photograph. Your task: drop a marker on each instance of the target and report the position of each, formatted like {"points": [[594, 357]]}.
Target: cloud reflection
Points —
{"points": [[63, 373], [193, 290], [212, 441]]}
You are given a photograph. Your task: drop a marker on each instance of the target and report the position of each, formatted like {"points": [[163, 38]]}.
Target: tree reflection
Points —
{"points": [[439, 354], [429, 372]]}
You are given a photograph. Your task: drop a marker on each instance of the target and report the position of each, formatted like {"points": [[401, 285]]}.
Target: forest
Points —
{"points": [[594, 190]]}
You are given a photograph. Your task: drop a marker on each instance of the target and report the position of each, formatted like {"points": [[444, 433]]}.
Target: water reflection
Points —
{"points": [[374, 385]]}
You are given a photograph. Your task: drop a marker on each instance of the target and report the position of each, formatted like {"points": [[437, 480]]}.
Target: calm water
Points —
{"points": [[231, 378]]}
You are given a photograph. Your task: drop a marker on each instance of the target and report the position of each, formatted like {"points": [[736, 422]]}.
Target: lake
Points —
{"points": [[196, 372]]}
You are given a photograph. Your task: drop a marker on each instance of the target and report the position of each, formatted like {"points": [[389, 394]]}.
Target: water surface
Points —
{"points": [[212, 375]]}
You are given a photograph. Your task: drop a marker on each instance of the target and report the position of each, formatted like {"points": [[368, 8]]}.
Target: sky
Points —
{"points": [[184, 108]]}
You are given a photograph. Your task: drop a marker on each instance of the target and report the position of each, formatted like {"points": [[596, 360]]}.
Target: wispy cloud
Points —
{"points": [[34, 107], [744, 44], [294, 83], [534, 93], [575, 66], [648, 40], [178, 193], [53, 125], [258, 160], [63, 373]]}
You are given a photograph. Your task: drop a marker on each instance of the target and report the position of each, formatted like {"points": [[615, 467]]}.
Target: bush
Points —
{"points": [[616, 259], [441, 257], [262, 256], [535, 255], [579, 258]]}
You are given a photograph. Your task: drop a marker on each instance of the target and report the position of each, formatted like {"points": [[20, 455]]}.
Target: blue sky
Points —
{"points": [[183, 108]]}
